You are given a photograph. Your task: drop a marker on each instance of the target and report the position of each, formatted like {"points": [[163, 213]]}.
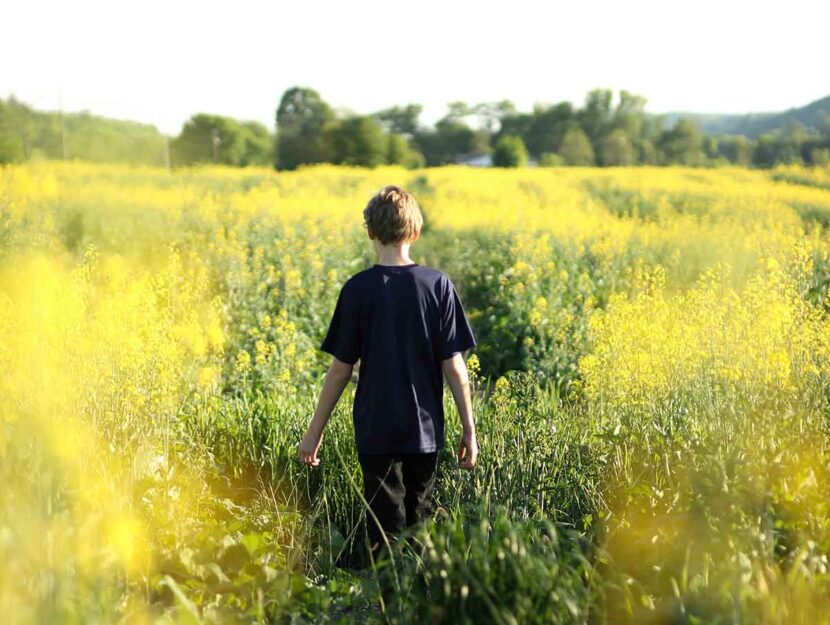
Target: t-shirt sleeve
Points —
{"points": [[343, 337], [456, 335]]}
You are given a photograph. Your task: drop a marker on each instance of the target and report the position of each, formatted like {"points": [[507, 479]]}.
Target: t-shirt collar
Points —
{"points": [[396, 266]]}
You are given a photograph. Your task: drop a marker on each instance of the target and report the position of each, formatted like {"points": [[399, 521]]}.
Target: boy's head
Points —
{"points": [[393, 216]]}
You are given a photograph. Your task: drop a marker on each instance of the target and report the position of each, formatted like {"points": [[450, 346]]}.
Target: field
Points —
{"points": [[651, 387]]}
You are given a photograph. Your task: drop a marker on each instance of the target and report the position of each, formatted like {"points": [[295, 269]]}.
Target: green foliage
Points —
{"points": [[615, 149], [308, 132], [16, 127], [619, 133], [596, 116], [303, 120], [738, 150], [546, 128], [400, 152], [359, 140], [629, 115], [576, 148], [401, 120], [550, 159], [490, 113], [682, 144], [792, 147], [820, 156], [450, 138], [222, 140], [510, 152], [495, 569], [397, 150], [647, 152], [29, 134], [259, 145]]}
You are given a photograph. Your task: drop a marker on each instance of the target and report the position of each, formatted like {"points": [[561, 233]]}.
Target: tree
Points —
{"points": [[399, 152], [510, 151], [400, 120], [779, 147], [595, 118], [259, 144], [824, 126], [26, 133], [458, 111], [550, 159], [490, 114], [820, 156], [15, 120], [359, 140], [766, 150], [629, 116], [517, 125], [396, 150], [710, 147], [646, 152], [547, 128], [736, 149], [209, 138], [303, 123], [576, 149], [452, 137], [456, 136], [615, 149], [682, 144], [481, 142]]}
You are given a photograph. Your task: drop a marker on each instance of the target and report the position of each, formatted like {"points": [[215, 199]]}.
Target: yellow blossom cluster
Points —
{"points": [[763, 338]]}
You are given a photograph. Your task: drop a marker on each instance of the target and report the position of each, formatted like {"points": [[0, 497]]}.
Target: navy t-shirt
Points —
{"points": [[400, 322]]}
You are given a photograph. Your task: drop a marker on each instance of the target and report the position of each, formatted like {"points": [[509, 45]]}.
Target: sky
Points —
{"points": [[162, 61]]}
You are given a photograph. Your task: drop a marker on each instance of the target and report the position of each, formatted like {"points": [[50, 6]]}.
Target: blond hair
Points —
{"points": [[393, 215]]}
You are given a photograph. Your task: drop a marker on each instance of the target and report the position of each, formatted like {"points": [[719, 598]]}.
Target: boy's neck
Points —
{"points": [[393, 255]]}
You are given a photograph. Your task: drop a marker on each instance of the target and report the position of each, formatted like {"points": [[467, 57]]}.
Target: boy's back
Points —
{"points": [[400, 321], [407, 327]]}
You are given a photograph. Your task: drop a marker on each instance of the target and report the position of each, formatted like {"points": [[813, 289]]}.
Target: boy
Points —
{"points": [[405, 324]]}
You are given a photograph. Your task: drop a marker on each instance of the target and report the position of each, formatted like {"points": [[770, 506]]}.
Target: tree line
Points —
{"points": [[26, 133], [604, 131]]}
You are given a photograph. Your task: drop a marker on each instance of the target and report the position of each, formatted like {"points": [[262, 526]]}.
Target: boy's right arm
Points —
{"points": [[335, 382], [455, 372]]}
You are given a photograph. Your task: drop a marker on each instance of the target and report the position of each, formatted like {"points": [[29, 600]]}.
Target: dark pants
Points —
{"points": [[399, 491]]}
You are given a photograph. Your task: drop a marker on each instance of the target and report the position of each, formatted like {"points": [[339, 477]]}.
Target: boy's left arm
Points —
{"points": [[337, 377]]}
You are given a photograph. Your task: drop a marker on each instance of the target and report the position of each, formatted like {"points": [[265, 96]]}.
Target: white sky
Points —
{"points": [[162, 61]]}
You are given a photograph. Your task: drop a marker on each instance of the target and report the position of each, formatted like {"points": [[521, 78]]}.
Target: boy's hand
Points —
{"points": [[309, 446], [468, 451]]}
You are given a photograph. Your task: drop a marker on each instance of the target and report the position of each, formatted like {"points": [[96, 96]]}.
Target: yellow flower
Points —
{"points": [[243, 361], [207, 377], [521, 267], [216, 337], [262, 352]]}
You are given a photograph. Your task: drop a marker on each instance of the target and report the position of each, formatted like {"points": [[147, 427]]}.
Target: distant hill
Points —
{"points": [[28, 133], [754, 124]]}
